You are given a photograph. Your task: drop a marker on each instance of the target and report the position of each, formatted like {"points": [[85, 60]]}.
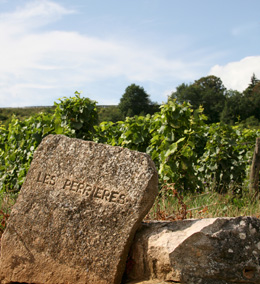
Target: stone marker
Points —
{"points": [[205, 251], [77, 213]]}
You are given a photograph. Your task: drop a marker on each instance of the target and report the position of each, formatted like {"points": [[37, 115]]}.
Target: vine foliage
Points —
{"points": [[187, 152]]}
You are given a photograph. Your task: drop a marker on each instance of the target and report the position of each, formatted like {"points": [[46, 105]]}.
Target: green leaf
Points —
{"points": [[77, 125], [172, 149], [187, 152], [58, 129]]}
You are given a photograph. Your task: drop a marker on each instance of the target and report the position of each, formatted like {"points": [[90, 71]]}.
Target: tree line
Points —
{"points": [[219, 103]]}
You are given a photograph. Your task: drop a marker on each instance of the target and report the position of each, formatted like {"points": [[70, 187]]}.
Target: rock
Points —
{"points": [[148, 282], [77, 213], [204, 251]]}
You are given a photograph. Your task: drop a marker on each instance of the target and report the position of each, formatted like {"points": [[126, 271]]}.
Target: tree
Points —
{"points": [[187, 93], [251, 98], [256, 100], [208, 92], [233, 110], [243, 106], [251, 86], [135, 101]]}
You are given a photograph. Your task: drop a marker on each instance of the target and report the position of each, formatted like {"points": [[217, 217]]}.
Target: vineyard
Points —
{"points": [[188, 153]]}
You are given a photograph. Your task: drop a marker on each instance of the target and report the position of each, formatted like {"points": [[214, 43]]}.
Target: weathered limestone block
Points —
{"points": [[150, 282], [77, 213], [204, 251]]}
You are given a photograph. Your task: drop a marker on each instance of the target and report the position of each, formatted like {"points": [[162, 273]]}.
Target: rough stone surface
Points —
{"points": [[77, 213], [205, 251], [148, 282]]}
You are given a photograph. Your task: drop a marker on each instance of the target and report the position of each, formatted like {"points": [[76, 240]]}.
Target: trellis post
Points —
{"points": [[255, 169]]}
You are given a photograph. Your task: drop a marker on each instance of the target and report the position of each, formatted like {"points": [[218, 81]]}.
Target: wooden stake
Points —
{"points": [[255, 169]]}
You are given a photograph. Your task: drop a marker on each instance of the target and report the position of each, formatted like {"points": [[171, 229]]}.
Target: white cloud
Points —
{"points": [[236, 75], [33, 15], [34, 60]]}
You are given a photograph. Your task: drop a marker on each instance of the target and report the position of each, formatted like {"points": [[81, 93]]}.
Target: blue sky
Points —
{"points": [[50, 49]]}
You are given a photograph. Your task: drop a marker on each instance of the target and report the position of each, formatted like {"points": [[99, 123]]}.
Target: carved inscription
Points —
{"points": [[46, 178], [84, 188], [94, 191]]}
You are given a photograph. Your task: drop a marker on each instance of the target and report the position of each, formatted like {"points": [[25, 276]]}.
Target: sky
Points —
{"points": [[51, 48]]}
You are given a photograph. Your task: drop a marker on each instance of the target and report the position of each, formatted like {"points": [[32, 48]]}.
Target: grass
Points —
{"points": [[171, 205]]}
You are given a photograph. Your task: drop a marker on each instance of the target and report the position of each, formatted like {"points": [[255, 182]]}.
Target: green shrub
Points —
{"points": [[74, 117], [78, 114], [17, 145]]}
